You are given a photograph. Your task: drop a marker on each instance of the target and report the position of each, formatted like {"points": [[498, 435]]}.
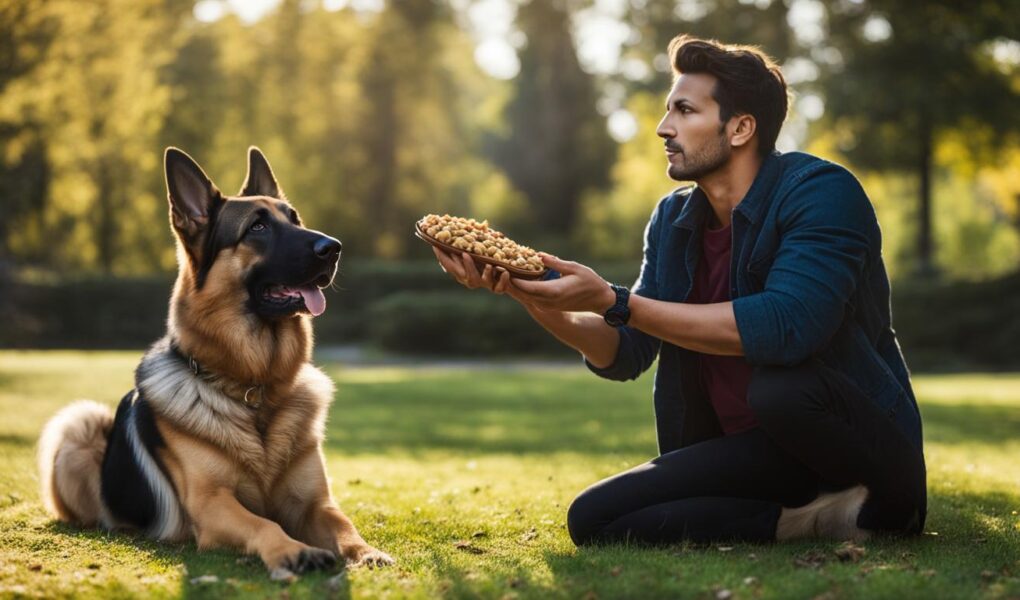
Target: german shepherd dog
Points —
{"points": [[221, 439]]}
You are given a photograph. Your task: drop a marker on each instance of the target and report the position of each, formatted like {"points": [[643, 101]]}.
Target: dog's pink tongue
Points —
{"points": [[315, 301]]}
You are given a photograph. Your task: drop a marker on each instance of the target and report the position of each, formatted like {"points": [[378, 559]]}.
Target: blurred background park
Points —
{"points": [[539, 116]]}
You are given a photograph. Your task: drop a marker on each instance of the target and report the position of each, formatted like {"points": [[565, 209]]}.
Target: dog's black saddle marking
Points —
{"points": [[126, 491]]}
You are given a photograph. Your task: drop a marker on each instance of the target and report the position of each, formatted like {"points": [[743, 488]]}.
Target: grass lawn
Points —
{"points": [[465, 477]]}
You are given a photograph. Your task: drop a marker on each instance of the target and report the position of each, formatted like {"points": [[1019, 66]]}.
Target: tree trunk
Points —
{"points": [[1016, 218]]}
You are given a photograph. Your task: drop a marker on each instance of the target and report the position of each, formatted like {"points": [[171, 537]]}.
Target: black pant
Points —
{"points": [[817, 433]]}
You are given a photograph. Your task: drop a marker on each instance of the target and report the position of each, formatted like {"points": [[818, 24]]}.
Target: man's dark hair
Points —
{"points": [[748, 82]]}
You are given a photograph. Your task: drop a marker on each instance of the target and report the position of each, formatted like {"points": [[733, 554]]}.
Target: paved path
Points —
{"points": [[359, 356]]}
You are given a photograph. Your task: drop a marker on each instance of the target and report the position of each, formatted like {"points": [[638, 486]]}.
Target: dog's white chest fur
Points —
{"points": [[262, 442]]}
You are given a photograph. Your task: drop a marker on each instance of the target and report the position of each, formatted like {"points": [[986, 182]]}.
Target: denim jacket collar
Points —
{"points": [[695, 210]]}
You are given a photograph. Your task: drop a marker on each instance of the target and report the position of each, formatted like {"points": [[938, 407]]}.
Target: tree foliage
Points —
{"points": [[374, 117], [908, 75]]}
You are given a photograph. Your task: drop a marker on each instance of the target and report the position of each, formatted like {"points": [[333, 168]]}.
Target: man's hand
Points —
{"points": [[579, 289], [463, 269]]}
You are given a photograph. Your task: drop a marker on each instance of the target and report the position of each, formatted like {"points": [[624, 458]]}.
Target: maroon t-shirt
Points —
{"points": [[725, 377]]}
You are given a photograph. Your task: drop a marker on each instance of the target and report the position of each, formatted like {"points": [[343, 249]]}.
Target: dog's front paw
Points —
{"points": [[367, 556], [299, 560]]}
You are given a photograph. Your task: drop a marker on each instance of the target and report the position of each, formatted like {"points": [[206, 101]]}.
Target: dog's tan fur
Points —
{"points": [[249, 478], [71, 450]]}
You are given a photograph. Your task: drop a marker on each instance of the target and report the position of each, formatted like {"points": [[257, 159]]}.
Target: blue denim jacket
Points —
{"points": [[807, 281]]}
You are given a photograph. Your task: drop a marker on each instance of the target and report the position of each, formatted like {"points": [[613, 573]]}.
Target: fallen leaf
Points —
{"points": [[529, 535], [723, 594], [850, 552], [479, 534], [35, 567], [205, 579], [725, 548], [466, 546], [616, 571], [750, 581]]}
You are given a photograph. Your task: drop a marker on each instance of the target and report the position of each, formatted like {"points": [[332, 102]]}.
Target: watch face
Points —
{"points": [[614, 319]]}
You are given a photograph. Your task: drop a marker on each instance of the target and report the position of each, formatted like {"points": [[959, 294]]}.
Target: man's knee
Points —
{"points": [[584, 518]]}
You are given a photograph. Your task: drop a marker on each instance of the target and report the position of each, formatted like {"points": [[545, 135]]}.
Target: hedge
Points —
{"points": [[415, 308]]}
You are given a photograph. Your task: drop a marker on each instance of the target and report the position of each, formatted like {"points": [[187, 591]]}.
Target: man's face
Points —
{"points": [[696, 141]]}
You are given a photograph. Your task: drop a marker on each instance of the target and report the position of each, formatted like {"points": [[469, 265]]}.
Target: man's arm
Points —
{"points": [[829, 228], [612, 353], [618, 354], [584, 332], [707, 328], [829, 233]]}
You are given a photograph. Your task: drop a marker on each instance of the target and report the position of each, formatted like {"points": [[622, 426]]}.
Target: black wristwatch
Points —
{"points": [[619, 313]]}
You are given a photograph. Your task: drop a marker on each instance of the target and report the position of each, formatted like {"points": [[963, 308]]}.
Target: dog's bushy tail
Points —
{"points": [[71, 452]]}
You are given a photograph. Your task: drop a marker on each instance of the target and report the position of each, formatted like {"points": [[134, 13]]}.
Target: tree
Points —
{"points": [[729, 21], [556, 146], [911, 72], [97, 98], [24, 169]]}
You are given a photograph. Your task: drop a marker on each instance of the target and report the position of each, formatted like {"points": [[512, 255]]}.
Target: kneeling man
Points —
{"points": [[783, 404]]}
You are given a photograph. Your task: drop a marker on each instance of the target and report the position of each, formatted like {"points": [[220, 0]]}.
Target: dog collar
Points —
{"points": [[253, 396]]}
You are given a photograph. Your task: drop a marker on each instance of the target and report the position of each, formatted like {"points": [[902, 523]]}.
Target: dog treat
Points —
{"points": [[478, 238]]}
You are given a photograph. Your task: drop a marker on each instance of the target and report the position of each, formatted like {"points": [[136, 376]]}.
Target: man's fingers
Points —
{"points": [[514, 292], [449, 264], [538, 289], [563, 266], [502, 281], [471, 274]]}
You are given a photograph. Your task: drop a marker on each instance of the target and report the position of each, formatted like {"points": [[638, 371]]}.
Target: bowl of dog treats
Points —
{"points": [[485, 245]]}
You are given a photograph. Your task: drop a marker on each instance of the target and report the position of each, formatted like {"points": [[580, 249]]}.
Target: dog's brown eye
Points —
{"points": [[258, 226]]}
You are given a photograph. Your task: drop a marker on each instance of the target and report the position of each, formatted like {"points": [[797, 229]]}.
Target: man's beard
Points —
{"points": [[700, 163]]}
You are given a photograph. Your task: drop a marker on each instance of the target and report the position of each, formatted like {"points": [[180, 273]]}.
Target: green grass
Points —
{"points": [[423, 459]]}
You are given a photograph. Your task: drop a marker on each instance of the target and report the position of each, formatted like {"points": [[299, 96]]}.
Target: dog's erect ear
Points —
{"points": [[260, 180], [194, 200]]}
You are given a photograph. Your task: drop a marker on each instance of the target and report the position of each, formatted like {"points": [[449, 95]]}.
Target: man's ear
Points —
{"points": [[194, 199], [742, 129], [260, 180]]}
